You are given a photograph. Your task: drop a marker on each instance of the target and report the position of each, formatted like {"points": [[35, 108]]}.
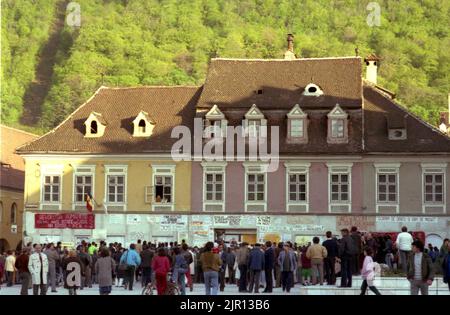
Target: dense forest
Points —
{"points": [[49, 68]]}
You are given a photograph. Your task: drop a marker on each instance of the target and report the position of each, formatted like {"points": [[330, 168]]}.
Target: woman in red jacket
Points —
{"points": [[161, 267]]}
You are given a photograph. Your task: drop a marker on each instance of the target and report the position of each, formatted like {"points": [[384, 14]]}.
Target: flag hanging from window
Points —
{"points": [[89, 202]]}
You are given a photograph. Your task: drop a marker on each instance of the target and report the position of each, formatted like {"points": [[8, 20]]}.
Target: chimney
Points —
{"points": [[289, 54], [372, 62]]}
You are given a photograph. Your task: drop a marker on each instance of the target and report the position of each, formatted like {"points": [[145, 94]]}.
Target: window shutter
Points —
{"points": [[224, 124], [263, 128], [245, 127]]}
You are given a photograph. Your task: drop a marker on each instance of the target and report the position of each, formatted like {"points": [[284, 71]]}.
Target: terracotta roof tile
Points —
{"points": [[235, 83], [167, 107]]}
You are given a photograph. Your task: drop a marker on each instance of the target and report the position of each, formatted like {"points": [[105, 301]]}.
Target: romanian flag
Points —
{"points": [[89, 202]]}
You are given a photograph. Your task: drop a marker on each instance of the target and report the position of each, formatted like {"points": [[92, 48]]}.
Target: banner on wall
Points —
{"points": [[64, 221]]}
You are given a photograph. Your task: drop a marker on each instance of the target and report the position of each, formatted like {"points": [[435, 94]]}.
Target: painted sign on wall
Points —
{"points": [[64, 221]]}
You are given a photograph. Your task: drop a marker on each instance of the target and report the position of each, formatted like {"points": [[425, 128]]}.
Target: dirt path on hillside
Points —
{"points": [[38, 89]]}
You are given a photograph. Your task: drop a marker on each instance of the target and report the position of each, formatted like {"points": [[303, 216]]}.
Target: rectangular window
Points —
{"points": [[254, 127], [255, 187], [434, 188], [339, 188], [387, 188], [297, 128], [337, 128], [116, 188], [297, 187], [52, 188], [83, 186], [214, 187], [163, 189]]}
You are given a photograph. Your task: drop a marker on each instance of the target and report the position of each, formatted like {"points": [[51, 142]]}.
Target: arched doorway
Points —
{"points": [[4, 245]]}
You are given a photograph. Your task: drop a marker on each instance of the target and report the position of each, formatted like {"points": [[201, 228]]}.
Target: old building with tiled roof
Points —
{"points": [[12, 179], [347, 154]]}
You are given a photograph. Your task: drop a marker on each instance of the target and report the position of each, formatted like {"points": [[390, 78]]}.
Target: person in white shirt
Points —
{"points": [[404, 245], [10, 268]]}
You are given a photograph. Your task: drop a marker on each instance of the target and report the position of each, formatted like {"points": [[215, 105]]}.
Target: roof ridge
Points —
{"points": [[151, 87], [405, 110], [286, 60], [19, 130]]}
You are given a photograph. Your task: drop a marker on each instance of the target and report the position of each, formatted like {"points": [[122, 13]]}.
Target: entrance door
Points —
{"points": [[236, 235]]}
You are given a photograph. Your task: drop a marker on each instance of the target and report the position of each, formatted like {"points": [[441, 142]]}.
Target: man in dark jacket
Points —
{"points": [[420, 271], [25, 276], [255, 265], [269, 262], [277, 267], [357, 241], [446, 264], [332, 249], [346, 252], [242, 260], [146, 264]]}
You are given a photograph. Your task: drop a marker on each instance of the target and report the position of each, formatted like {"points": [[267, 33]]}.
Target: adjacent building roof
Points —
{"points": [[12, 165], [381, 113], [167, 106], [279, 84]]}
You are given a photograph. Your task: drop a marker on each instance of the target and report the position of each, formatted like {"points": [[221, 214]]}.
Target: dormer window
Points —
{"points": [[337, 125], [215, 124], [255, 124], [312, 90], [297, 125], [143, 125], [95, 125]]}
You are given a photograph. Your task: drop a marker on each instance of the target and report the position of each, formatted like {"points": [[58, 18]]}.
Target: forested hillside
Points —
{"points": [[169, 42]]}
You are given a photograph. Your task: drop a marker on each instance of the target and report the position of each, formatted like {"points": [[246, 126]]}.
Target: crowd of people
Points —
{"points": [[217, 264]]}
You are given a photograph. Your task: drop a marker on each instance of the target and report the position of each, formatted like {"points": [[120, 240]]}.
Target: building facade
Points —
{"points": [[12, 177], [348, 155]]}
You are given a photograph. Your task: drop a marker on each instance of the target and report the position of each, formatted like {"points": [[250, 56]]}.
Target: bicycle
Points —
{"points": [[172, 287]]}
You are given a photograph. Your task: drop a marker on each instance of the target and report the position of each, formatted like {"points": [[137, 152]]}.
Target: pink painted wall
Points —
{"points": [[235, 187], [318, 188], [197, 187], [357, 187], [276, 189]]}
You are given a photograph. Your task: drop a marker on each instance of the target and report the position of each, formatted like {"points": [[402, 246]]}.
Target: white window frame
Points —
{"points": [[337, 113], [255, 168], [52, 170], [214, 168], [123, 172], [434, 168], [161, 170], [254, 114], [297, 169], [209, 129], [340, 168], [388, 169], [77, 171]]}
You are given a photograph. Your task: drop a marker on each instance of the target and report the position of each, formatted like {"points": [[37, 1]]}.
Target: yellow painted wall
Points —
{"points": [[7, 198], [139, 175]]}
